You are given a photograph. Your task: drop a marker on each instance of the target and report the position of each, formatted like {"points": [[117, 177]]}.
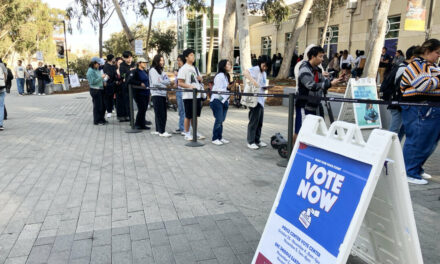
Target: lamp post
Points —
{"points": [[351, 7], [66, 49]]}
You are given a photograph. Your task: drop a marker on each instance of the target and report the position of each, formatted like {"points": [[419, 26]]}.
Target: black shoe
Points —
{"points": [[142, 128], [2, 128], [127, 118], [148, 123]]}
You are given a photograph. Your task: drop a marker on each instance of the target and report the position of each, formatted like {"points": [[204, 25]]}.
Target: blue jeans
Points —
{"points": [[20, 85], [181, 109], [396, 123], [422, 128], [2, 106], [219, 110]]}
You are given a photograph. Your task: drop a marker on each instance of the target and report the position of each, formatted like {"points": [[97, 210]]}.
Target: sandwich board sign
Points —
{"points": [[340, 194], [364, 115]]}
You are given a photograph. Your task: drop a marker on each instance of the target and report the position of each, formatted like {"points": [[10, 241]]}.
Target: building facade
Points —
{"points": [[193, 30], [269, 39]]}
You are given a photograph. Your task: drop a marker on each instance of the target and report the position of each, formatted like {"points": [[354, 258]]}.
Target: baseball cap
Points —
{"points": [[142, 60]]}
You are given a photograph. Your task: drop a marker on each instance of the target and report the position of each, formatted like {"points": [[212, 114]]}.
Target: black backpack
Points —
{"points": [[390, 87]]}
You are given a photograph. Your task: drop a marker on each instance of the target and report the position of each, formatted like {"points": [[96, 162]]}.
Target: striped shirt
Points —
{"points": [[421, 81]]}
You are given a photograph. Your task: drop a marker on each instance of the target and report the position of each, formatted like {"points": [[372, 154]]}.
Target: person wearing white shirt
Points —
{"points": [[257, 77], [189, 78], [159, 79], [220, 102], [20, 72], [346, 60]]}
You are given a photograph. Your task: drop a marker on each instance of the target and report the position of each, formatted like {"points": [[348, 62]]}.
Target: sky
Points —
{"points": [[87, 38]]}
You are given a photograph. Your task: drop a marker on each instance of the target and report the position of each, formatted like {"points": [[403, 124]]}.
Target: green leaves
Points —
{"points": [[163, 42]]}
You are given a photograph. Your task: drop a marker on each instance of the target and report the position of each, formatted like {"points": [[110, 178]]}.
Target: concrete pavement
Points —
{"points": [[72, 192]]}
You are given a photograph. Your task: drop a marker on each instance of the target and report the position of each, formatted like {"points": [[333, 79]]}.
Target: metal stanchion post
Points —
{"points": [[284, 162], [132, 128], [194, 142]]}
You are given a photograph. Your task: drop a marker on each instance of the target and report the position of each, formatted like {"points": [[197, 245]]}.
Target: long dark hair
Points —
{"points": [[430, 45], [222, 69], [156, 63], [92, 64]]}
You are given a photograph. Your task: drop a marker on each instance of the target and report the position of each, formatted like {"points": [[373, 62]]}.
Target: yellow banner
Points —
{"points": [[415, 15], [58, 79]]}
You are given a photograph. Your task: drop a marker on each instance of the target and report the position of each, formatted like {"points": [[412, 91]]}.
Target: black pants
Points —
{"points": [[108, 99], [41, 86], [255, 124], [141, 102], [160, 112], [30, 88], [98, 105], [122, 103], [5, 116]]}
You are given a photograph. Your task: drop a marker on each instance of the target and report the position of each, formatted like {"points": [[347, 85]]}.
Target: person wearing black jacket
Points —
{"points": [[9, 79], [139, 77], [109, 84], [42, 76], [122, 100], [311, 82]]}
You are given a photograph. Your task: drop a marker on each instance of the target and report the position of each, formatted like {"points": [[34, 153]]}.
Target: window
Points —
{"points": [[266, 45], [393, 27], [333, 32]]}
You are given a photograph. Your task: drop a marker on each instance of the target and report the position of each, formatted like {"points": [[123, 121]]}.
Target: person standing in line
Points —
{"points": [[399, 58], [9, 79], [53, 72], [256, 76], [384, 64], [139, 77], [188, 78], [20, 73], [42, 76], [30, 75], [180, 106], [96, 83], [3, 78], [125, 68], [346, 60], [109, 87], [312, 81], [220, 102], [421, 83], [159, 79]]}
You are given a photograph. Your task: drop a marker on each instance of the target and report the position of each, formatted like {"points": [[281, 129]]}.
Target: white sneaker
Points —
{"points": [[188, 137], [200, 136], [253, 146], [109, 115], [44, 94], [39, 94], [165, 134], [426, 176], [262, 144], [224, 141], [217, 142], [155, 133], [416, 181], [183, 133]]}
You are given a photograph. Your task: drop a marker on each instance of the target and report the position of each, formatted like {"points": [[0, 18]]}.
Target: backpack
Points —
{"points": [[390, 88], [2, 78]]}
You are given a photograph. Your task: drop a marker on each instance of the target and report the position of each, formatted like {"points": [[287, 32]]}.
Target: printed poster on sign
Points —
{"points": [[74, 81], [366, 115], [58, 79], [316, 206], [415, 15]]}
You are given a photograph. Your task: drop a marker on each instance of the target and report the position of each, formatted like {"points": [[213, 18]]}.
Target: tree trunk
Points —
{"points": [[127, 30], [211, 40], [243, 32], [228, 35], [101, 26], [290, 48], [327, 21], [377, 38], [147, 42]]}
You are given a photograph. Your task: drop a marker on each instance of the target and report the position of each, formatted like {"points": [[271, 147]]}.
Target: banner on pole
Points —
{"points": [[415, 15], [39, 55], [138, 47]]}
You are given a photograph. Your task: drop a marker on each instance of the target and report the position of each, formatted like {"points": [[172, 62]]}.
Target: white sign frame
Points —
{"points": [[74, 81], [346, 139], [372, 85]]}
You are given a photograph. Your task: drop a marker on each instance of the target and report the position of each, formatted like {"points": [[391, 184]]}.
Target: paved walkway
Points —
{"points": [[72, 192]]}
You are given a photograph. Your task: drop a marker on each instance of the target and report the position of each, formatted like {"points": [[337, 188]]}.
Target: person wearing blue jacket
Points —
{"points": [[139, 77], [96, 83]]}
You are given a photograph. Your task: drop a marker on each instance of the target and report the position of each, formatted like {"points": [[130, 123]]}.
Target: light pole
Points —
{"points": [[66, 49]]}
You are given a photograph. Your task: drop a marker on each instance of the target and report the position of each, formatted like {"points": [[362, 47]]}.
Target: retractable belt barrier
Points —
{"points": [[291, 113], [296, 96]]}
